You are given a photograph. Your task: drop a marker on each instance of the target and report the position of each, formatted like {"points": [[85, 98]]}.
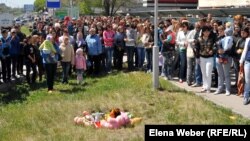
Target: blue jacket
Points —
{"points": [[15, 47], [119, 40], [94, 45], [5, 46]]}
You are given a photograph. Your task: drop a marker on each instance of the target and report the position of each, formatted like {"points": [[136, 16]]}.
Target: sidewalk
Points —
{"points": [[233, 102]]}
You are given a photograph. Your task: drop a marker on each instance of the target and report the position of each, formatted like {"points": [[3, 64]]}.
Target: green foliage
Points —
{"points": [[85, 8], [97, 3], [39, 4]]}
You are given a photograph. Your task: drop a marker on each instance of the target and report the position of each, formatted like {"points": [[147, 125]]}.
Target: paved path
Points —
{"points": [[232, 102]]}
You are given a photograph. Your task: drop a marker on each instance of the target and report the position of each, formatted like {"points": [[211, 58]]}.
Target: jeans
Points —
{"points": [[197, 73], [30, 66], [65, 74], [109, 54], [136, 57], [190, 69], [236, 68], [79, 73], [14, 59], [247, 79], [149, 55], [141, 56], [206, 69], [168, 63], [51, 72], [224, 74], [130, 55], [183, 64]]}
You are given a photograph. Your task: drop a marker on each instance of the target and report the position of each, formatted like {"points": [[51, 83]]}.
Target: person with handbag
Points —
{"points": [[224, 61]]}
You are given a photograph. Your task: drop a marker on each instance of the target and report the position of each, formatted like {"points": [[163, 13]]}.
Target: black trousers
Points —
{"points": [[20, 63], [30, 66], [95, 64], [6, 68], [14, 59], [40, 66], [51, 72], [118, 58]]}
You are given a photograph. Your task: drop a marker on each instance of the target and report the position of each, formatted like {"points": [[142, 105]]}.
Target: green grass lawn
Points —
{"points": [[44, 116]]}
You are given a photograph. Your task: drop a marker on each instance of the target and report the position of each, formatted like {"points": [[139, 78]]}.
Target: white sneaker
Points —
{"points": [[228, 93], [149, 71], [217, 92]]}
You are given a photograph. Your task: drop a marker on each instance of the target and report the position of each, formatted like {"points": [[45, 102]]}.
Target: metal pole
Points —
{"points": [[71, 8], [156, 49]]}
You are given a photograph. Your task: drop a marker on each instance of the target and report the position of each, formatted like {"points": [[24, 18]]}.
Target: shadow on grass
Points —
{"points": [[74, 90], [39, 85], [14, 92]]}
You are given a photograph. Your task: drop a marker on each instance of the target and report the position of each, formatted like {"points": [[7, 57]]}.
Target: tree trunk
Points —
{"points": [[112, 7], [106, 5]]}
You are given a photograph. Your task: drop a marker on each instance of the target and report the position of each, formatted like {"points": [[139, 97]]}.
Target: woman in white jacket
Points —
{"points": [[182, 44]]}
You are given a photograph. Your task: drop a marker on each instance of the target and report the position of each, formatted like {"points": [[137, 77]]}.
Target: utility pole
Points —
{"points": [[156, 49], [71, 8]]}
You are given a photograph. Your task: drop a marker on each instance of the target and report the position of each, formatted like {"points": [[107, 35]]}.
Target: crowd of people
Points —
{"points": [[203, 52]]}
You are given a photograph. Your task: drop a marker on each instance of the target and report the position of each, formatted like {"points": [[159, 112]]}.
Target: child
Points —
{"points": [[48, 50], [68, 58], [80, 64], [47, 45]]}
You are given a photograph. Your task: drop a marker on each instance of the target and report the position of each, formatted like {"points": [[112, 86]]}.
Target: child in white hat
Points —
{"points": [[80, 64]]}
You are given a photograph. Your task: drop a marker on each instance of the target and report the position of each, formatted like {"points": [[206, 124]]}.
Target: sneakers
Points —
{"points": [[148, 71], [181, 81], [196, 85], [217, 92], [246, 101], [50, 91], [203, 90], [228, 93]]}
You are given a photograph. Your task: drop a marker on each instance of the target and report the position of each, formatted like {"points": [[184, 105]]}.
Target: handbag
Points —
{"points": [[240, 83]]}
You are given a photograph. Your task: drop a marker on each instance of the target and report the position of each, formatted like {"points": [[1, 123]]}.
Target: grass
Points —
{"points": [[44, 116], [25, 30]]}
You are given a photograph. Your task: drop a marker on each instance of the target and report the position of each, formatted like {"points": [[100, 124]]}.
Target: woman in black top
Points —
{"points": [[30, 60]]}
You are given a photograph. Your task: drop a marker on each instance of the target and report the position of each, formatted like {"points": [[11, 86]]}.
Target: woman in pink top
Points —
{"points": [[80, 64], [108, 37]]}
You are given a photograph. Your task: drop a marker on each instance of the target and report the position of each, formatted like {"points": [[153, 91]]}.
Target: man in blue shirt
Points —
{"points": [[5, 57]]}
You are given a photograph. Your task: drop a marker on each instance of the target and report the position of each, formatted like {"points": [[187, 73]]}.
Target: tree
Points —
{"points": [[112, 6], [85, 8], [39, 4]]}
